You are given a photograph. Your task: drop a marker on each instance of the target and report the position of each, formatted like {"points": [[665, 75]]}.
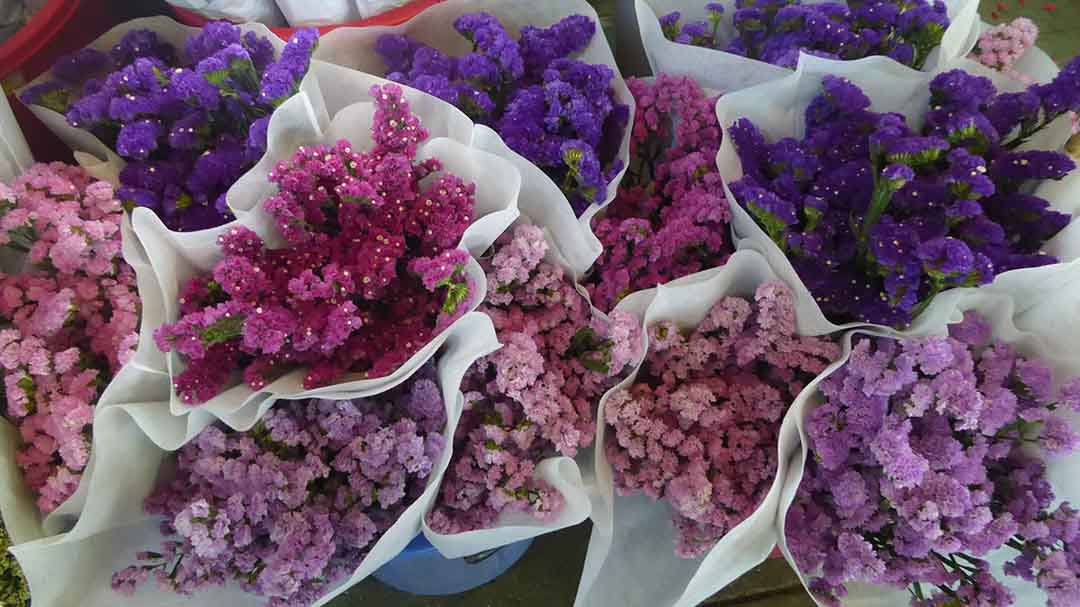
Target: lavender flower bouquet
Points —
{"points": [[720, 43], [944, 175], [940, 470], [379, 511], [487, 205], [671, 527], [548, 199], [173, 115]]}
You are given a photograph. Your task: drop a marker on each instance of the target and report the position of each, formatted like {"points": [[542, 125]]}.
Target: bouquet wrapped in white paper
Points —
{"points": [[75, 568], [903, 503], [686, 458], [239, 11], [700, 54]]}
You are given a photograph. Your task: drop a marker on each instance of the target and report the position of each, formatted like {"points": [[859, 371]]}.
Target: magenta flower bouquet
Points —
{"points": [[687, 447], [530, 406], [350, 271], [940, 470], [70, 315], [670, 218]]}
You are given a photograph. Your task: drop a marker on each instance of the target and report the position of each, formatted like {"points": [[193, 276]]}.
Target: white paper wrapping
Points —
{"points": [[729, 72], [541, 199], [74, 569], [570, 476], [1034, 320], [239, 11], [631, 559], [14, 152], [325, 12], [777, 109]]}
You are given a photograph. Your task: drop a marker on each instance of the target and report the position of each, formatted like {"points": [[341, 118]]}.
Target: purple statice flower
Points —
{"points": [[541, 101], [354, 264], [535, 397], [698, 427], [199, 116], [669, 218], [778, 31], [923, 458], [291, 507], [947, 206]]}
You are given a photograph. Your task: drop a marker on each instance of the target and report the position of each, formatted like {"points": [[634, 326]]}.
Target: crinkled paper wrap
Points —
{"points": [[14, 152], [777, 109], [729, 72], [74, 569], [326, 12], [541, 199], [305, 120], [90, 152], [1040, 322], [572, 477], [18, 509], [631, 560], [239, 11]]}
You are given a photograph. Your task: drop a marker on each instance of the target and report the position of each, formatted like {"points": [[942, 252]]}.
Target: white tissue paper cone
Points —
{"points": [[572, 477], [541, 199], [305, 120], [730, 72], [631, 559], [74, 569], [1034, 321], [14, 152], [238, 11], [777, 109]]}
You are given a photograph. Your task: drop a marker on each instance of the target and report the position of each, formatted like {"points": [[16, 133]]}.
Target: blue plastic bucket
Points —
{"points": [[420, 569]]}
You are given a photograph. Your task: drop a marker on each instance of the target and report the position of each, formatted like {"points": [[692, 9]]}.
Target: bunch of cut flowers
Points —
{"points": [[289, 509], [558, 112], [535, 397], [187, 123], [1001, 46], [777, 31], [70, 317], [370, 271], [698, 426], [878, 217], [927, 459], [670, 217]]}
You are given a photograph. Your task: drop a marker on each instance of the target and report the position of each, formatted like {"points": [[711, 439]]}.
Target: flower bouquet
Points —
{"points": [[14, 152], [670, 218], [174, 115], [686, 454], [513, 41], [293, 508], [940, 470], [70, 315], [734, 44], [287, 301], [878, 216], [530, 406]]}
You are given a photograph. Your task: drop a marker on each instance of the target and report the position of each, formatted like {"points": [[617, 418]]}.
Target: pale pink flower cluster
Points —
{"points": [[70, 318], [1002, 45]]}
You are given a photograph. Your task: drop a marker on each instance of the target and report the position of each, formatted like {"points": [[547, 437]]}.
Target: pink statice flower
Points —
{"points": [[71, 315], [535, 397], [670, 217], [370, 273], [1001, 46], [698, 427]]}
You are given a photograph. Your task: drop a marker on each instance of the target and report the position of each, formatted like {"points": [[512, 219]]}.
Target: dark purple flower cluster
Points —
{"points": [[559, 113], [776, 31], [291, 507], [369, 275], [877, 218], [921, 463], [188, 124]]}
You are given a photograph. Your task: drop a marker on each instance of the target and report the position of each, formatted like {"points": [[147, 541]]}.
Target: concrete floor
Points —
{"points": [[548, 574]]}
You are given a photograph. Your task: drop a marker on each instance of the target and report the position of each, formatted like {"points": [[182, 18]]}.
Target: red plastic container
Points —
{"points": [[395, 16], [59, 28]]}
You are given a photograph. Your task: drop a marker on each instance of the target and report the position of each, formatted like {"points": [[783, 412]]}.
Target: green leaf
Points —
{"points": [[226, 329]]}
